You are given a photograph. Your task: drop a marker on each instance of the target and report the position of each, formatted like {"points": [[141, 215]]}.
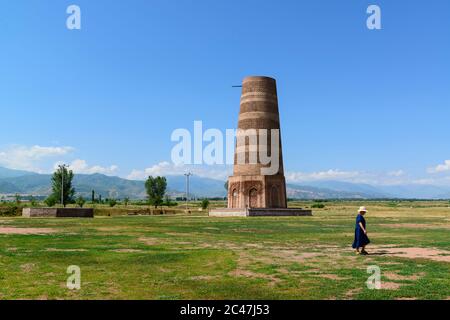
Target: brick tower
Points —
{"points": [[249, 187], [253, 190]]}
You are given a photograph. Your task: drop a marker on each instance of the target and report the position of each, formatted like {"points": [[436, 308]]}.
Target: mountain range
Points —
{"points": [[30, 183]]}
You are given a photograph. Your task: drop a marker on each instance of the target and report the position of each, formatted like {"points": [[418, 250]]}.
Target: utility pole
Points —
{"points": [[187, 188]]}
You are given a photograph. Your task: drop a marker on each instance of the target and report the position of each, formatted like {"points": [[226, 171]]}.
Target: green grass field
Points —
{"points": [[197, 257]]}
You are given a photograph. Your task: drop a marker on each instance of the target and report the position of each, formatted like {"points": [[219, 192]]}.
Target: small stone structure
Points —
{"points": [[58, 213], [260, 212], [252, 192]]}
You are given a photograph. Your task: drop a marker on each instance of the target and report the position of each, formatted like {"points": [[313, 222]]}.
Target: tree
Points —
{"points": [[17, 197], [80, 201], [168, 202], [205, 204], [60, 175], [33, 201], [93, 196], [126, 200], [50, 201], [112, 202], [156, 189]]}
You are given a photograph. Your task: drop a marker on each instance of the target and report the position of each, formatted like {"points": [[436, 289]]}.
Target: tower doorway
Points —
{"points": [[253, 198]]}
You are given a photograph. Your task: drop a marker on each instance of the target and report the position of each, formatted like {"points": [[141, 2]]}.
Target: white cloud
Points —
{"points": [[332, 174], [441, 167], [81, 166], [374, 178], [223, 172], [219, 172], [397, 173], [26, 158], [426, 181]]}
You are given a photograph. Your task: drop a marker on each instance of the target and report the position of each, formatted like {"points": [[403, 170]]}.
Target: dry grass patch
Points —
{"points": [[294, 255], [390, 285], [242, 270], [352, 292], [127, 250], [419, 226], [416, 253], [12, 230], [27, 267], [331, 276], [152, 241], [395, 276], [109, 229], [203, 278], [64, 250]]}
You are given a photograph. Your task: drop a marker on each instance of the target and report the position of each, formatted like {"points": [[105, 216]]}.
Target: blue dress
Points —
{"points": [[361, 239]]}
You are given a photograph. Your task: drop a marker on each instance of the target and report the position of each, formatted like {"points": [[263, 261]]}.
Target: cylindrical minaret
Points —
{"points": [[259, 110], [250, 186]]}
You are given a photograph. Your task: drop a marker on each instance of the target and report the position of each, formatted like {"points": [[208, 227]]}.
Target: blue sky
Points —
{"points": [[356, 104]]}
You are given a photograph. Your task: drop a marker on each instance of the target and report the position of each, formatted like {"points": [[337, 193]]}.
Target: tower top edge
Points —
{"points": [[258, 78]]}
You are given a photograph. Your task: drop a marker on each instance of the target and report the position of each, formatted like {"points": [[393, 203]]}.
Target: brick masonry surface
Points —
{"points": [[248, 188]]}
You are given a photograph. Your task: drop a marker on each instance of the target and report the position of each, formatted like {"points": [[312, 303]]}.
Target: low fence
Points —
{"points": [[137, 211], [58, 212], [91, 212]]}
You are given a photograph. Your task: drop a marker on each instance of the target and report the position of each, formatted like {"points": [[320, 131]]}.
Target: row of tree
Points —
{"points": [[63, 191]]}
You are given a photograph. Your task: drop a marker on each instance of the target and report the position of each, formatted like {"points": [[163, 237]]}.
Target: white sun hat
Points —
{"points": [[362, 209]]}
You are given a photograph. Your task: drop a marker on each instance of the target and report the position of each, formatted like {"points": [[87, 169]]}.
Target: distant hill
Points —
{"points": [[364, 190], [23, 182], [199, 186], [40, 184], [410, 191], [418, 191], [11, 173], [311, 192]]}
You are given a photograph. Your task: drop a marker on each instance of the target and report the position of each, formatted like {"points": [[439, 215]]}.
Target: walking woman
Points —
{"points": [[361, 239]]}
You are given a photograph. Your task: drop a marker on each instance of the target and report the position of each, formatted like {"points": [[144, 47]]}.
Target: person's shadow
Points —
{"points": [[378, 253]]}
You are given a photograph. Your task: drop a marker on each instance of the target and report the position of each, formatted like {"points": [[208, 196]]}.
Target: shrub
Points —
{"points": [[318, 205], [112, 202], [392, 204], [50, 201], [80, 201], [169, 203], [205, 204], [10, 210], [33, 201]]}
